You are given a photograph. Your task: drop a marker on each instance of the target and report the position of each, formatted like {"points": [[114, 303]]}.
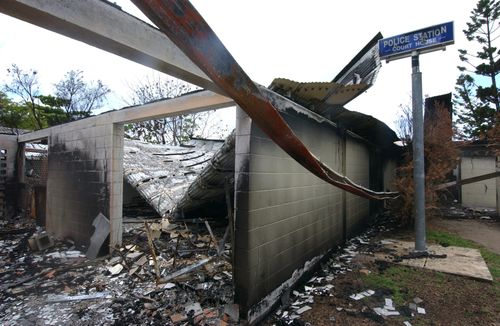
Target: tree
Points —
{"points": [[477, 94], [171, 130], [11, 115], [80, 97], [29, 109], [404, 124], [441, 156], [26, 86], [52, 110]]}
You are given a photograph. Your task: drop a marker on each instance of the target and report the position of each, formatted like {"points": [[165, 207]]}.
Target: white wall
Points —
{"points": [[480, 194]]}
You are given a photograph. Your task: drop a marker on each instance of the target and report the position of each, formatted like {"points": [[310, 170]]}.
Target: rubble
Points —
{"points": [[361, 295], [101, 232], [378, 307], [322, 284], [458, 212], [387, 310], [421, 310], [66, 298], [60, 285], [40, 241], [195, 285]]}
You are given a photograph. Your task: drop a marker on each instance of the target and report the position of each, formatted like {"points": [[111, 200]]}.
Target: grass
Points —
{"points": [[394, 279], [447, 239]]}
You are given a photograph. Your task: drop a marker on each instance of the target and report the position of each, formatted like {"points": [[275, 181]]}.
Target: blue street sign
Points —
{"points": [[423, 40]]}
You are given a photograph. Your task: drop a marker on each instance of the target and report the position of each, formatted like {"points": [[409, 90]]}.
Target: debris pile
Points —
{"points": [[348, 300], [163, 274], [323, 283], [456, 211], [297, 302]]}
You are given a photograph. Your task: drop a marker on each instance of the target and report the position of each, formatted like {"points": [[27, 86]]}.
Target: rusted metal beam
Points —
{"points": [[468, 180], [184, 26]]}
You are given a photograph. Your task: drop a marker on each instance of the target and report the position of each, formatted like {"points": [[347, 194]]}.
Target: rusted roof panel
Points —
{"points": [[315, 95]]}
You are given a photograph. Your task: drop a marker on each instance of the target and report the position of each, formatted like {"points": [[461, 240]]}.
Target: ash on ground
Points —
{"points": [[184, 278]]}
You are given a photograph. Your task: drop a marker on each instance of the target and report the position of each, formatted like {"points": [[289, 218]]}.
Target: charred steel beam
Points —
{"points": [[468, 180], [184, 26]]}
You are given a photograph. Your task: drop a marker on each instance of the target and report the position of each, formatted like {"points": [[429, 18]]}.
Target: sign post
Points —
{"points": [[418, 154], [413, 44]]}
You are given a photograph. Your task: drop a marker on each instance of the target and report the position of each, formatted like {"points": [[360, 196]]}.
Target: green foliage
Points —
{"points": [[52, 111], [12, 115], [476, 91], [29, 109]]}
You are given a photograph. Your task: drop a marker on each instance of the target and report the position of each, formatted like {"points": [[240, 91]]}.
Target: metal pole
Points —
{"points": [[418, 154], [497, 169]]}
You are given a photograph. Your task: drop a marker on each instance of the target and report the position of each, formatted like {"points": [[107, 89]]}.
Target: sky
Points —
{"points": [[306, 41]]}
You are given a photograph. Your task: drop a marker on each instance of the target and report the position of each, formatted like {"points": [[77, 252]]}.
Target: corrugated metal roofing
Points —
{"points": [[162, 174], [316, 94], [355, 78]]}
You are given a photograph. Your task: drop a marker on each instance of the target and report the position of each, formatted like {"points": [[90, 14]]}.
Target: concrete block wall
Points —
{"points": [[8, 186], [284, 215], [358, 170], [9, 144], [483, 193], [389, 174], [84, 178]]}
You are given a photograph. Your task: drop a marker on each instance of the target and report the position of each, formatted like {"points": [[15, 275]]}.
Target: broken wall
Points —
{"points": [[84, 178], [8, 185], [284, 215]]}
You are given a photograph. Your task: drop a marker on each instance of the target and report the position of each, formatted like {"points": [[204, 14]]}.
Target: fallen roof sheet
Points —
{"points": [[162, 174], [210, 185]]}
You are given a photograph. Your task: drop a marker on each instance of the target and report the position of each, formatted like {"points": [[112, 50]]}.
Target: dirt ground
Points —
{"points": [[447, 299]]}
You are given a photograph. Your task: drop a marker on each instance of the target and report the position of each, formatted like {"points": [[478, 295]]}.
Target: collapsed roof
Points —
{"points": [[175, 179], [191, 180]]}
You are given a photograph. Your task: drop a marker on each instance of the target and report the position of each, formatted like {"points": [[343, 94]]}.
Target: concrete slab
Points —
{"points": [[101, 224], [459, 261]]}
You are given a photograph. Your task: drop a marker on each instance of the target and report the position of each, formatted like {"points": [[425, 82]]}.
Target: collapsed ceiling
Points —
{"points": [[176, 179]]}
